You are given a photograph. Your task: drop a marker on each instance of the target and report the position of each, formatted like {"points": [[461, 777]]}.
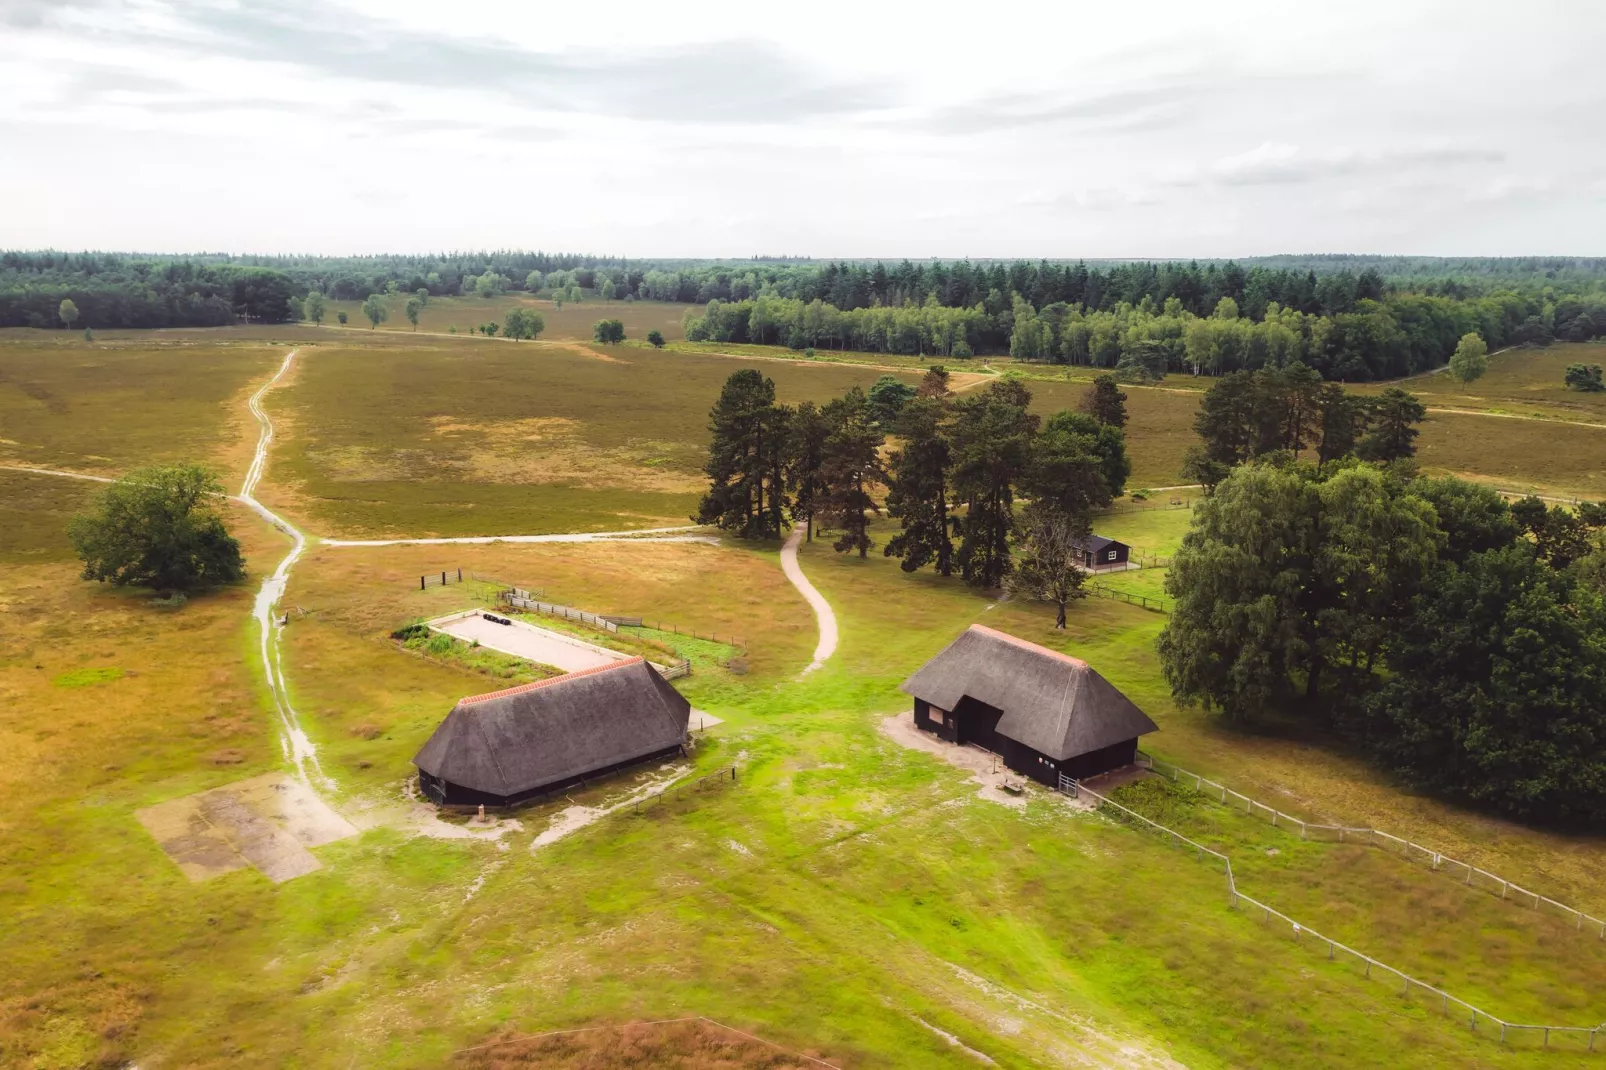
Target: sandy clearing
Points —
{"points": [[822, 609], [984, 769], [524, 640], [267, 821], [574, 818]]}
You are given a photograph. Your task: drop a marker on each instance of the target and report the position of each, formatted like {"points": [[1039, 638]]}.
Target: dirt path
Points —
{"points": [[1519, 416], [822, 609], [298, 747]]}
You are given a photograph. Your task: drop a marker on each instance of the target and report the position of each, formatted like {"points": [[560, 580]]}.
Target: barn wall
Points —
{"points": [[457, 795], [926, 719]]}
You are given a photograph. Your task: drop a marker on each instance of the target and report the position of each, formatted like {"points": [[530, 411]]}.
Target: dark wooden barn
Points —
{"points": [[1099, 553], [1045, 713], [510, 746]]}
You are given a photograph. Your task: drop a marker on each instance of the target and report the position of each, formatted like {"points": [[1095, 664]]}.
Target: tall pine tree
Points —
{"points": [[991, 449], [851, 465], [918, 495], [746, 455]]}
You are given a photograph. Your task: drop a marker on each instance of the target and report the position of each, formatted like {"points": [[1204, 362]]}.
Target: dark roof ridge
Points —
{"points": [[536, 685]]}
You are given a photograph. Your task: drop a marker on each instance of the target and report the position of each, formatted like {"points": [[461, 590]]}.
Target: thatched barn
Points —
{"points": [[510, 746], [1045, 713]]}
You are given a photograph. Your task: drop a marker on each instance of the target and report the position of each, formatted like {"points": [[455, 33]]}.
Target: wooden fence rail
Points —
{"points": [[1437, 861], [1585, 1037]]}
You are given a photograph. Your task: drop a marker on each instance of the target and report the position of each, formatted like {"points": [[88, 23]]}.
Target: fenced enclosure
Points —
{"points": [[711, 780], [441, 579], [1120, 508], [522, 599], [1153, 605], [1582, 1038], [1463, 872]]}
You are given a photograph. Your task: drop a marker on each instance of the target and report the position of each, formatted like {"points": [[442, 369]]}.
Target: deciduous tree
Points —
{"points": [[68, 312], [655, 338], [609, 331], [376, 310], [159, 527], [1470, 359], [1047, 567], [313, 307], [413, 307]]}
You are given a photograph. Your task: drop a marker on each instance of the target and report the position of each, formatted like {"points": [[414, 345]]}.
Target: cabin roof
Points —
{"points": [[520, 738], [1052, 702]]}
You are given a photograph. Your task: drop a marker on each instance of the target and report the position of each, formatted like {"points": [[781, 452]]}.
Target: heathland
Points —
{"points": [[845, 896]]}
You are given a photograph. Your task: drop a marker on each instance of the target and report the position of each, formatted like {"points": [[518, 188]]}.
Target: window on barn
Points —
{"points": [[1112, 555]]}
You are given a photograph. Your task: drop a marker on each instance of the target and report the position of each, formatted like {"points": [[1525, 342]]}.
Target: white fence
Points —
{"points": [[1370, 837], [1584, 1037], [522, 600]]}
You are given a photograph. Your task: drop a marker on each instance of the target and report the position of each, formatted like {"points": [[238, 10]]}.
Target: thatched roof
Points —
{"points": [[1052, 702], [522, 738]]}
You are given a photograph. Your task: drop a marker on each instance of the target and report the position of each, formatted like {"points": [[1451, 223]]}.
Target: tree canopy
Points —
{"points": [[159, 527]]}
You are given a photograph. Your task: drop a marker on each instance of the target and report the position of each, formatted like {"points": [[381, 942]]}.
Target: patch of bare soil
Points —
{"points": [[985, 769], [681, 1044], [585, 351], [268, 822]]}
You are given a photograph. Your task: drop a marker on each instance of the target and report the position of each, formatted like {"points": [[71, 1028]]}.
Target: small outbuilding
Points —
{"points": [[510, 746], [1047, 714], [1099, 554]]}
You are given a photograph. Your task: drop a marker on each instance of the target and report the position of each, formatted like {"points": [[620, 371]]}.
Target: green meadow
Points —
{"points": [[845, 896]]}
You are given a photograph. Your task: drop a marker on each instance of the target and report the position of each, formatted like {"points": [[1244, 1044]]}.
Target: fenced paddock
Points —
{"points": [[1153, 605], [1579, 1038], [1463, 872]]}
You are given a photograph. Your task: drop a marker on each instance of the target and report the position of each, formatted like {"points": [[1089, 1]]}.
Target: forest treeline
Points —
{"points": [[123, 290], [1399, 334]]}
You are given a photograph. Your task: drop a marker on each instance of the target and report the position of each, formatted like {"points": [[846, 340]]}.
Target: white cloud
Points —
{"points": [[1066, 129]]}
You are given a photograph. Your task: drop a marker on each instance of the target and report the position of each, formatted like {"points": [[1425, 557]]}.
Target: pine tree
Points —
{"points": [[851, 463], [746, 455], [805, 455], [991, 449], [1105, 401], [918, 494]]}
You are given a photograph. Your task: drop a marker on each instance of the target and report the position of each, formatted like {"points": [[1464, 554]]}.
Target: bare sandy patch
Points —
{"points": [[268, 822], [984, 769], [574, 818]]}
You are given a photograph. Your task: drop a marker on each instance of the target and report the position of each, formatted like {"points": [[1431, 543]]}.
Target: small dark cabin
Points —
{"points": [[1045, 713], [510, 746], [1099, 553]]}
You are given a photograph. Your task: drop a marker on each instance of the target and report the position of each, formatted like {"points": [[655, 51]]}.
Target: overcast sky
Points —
{"points": [[820, 129]]}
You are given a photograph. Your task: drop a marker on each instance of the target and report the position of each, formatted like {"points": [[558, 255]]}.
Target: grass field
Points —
{"points": [[572, 321], [845, 897], [459, 438], [1527, 382], [119, 403]]}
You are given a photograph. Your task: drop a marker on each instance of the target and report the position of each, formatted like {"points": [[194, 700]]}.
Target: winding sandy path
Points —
{"points": [[822, 609], [298, 747]]}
